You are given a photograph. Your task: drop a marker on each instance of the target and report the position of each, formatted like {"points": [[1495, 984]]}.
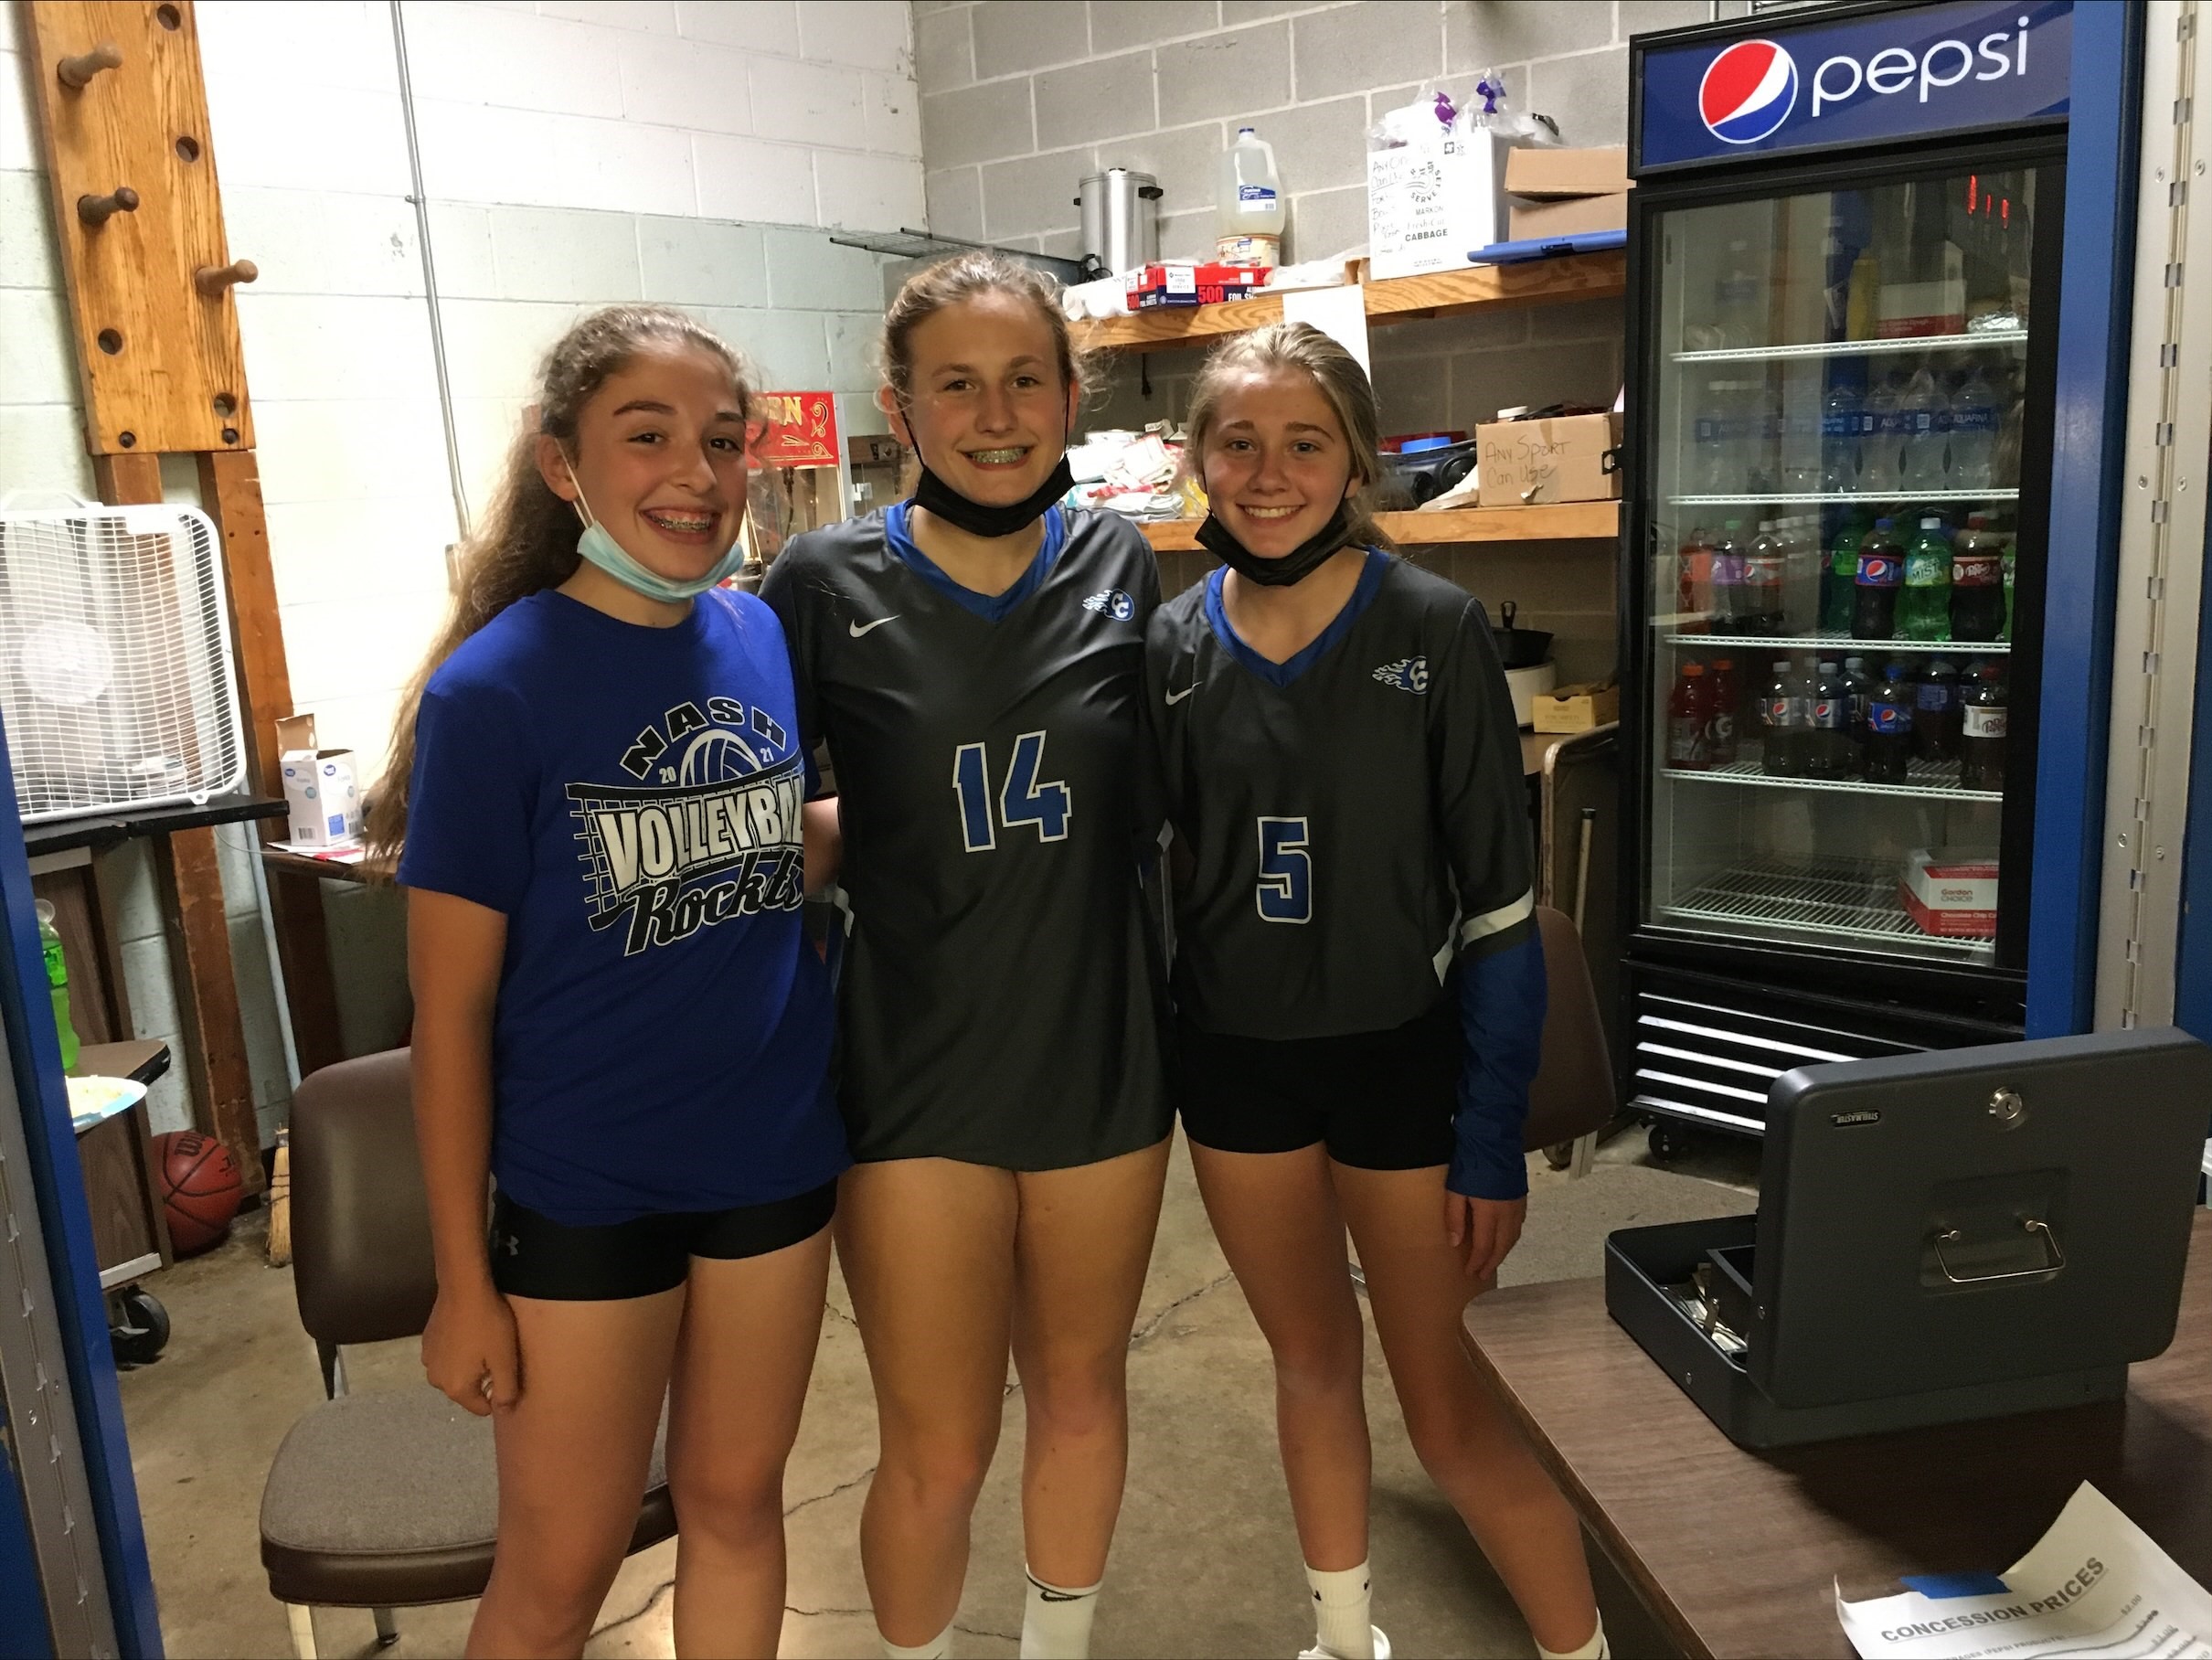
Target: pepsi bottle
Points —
{"points": [[1881, 574], [1889, 709]]}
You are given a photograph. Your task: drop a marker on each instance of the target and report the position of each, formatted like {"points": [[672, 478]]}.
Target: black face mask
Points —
{"points": [[983, 519], [1295, 566]]}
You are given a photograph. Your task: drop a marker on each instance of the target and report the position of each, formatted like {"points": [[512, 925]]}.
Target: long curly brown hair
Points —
{"points": [[526, 539]]}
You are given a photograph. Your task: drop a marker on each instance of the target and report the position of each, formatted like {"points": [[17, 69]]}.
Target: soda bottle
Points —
{"points": [[1924, 422], [1688, 711], [1982, 729], [1877, 473], [1694, 581], [1762, 579], [1720, 745], [1858, 686], [1923, 608], [1880, 575], [1728, 604], [1979, 606], [1841, 439], [1842, 576], [1935, 712], [1974, 432], [1889, 712], [1803, 572], [1828, 751], [1784, 714], [56, 981]]}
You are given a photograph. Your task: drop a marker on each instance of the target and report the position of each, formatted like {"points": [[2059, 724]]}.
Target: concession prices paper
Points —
{"points": [[2095, 1584]]}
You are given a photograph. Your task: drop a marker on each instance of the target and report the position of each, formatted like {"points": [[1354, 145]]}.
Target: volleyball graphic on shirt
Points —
{"points": [[713, 835]]}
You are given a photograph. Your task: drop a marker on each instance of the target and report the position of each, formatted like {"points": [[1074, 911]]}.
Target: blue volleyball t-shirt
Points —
{"points": [[629, 798]]}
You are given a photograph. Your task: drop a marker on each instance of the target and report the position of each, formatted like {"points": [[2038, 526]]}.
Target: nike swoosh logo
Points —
{"points": [[1175, 698], [857, 629]]}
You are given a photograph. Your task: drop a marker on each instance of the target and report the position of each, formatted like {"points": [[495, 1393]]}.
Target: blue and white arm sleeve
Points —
{"points": [[1502, 1000]]}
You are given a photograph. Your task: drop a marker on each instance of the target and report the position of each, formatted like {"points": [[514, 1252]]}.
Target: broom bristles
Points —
{"points": [[279, 1203]]}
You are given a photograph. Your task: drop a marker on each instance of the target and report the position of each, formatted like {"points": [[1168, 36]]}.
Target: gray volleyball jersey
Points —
{"points": [[1353, 817], [1003, 991]]}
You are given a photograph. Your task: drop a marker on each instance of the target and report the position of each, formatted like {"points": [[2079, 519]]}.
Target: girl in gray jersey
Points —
{"points": [[972, 659], [1359, 987]]}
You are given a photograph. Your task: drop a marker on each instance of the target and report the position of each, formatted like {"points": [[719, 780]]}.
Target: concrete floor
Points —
{"points": [[1205, 1563]]}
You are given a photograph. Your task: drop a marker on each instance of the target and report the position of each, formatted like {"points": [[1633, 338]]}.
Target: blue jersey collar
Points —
{"points": [[990, 607], [1283, 674]]}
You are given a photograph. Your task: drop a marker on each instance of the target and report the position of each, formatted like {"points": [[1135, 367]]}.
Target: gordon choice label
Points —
{"points": [[1914, 72]]}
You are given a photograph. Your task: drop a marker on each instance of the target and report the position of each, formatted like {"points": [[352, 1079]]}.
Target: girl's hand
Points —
{"points": [[1488, 1228], [468, 1352], [824, 840]]}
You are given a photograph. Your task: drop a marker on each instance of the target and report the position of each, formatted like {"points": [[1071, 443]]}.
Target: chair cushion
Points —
{"points": [[391, 1498]]}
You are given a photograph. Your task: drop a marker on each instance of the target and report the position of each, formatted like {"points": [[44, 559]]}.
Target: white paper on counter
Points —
{"points": [[1340, 313], [2096, 1584]]}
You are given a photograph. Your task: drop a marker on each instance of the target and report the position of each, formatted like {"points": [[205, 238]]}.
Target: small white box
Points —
{"points": [[322, 799], [1952, 891], [1433, 202]]}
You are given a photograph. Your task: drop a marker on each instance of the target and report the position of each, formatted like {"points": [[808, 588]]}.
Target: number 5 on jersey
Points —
{"points": [[1021, 800], [1286, 871]]}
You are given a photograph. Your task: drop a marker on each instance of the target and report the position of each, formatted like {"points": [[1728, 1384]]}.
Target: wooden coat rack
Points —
{"points": [[138, 215]]}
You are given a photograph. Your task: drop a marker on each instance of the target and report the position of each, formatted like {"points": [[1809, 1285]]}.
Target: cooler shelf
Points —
{"points": [[1857, 348], [1833, 899], [1906, 502], [1934, 780], [1843, 645]]}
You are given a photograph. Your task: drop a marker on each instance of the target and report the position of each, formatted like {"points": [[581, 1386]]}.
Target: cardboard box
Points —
{"points": [[1431, 204], [1571, 458], [1952, 891], [1567, 217], [320, 791], [1577, 709], [1543, 170], [1201, 284]]}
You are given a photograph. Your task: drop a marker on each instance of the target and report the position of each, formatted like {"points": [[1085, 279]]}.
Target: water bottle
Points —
{"points": [[1880, 426], [1710, 454], [1801, 443], [1924, 423], [1249, 203], [1738, 318], [58, 982], [1841, 412], [1974, 433]]}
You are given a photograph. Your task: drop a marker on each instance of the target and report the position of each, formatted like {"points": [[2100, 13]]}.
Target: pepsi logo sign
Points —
{"points": [[1747, 92]]}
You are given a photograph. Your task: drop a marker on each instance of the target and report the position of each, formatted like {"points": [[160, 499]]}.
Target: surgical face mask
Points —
{"points": [[1295, 566], [603, 550]]}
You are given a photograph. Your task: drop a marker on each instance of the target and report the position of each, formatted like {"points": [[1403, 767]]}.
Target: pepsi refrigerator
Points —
{"points": [[1844, 253]]}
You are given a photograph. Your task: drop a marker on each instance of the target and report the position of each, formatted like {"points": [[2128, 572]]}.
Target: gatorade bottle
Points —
{"points": [[1935, 712], [1981, 731], [1720, 723], [1881, 571], [1728, 600], [1694, 581], [1889, 728], [1784, 715], [58, 982], [1841, 577], [1686, 714], [1977, 582], [1923, 609]]}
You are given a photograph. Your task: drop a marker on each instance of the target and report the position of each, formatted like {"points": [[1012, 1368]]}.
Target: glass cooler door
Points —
{"points": [[1840, 381]]}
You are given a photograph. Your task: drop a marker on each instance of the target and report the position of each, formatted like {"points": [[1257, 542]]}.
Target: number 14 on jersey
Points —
{"points": [[1021, 800]]}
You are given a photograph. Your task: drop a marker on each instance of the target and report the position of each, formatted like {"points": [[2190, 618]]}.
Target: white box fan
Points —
{"points": [[116, 682]]}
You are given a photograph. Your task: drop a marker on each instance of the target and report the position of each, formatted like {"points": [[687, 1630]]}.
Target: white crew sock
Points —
{"points": [[937, 1648], [1340, 1612], [1055, 1619], [1595, 1649]]}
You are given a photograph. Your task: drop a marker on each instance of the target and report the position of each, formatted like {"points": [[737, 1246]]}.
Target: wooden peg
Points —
{"points": [[78, 71], [211, 279], [97, 211]]}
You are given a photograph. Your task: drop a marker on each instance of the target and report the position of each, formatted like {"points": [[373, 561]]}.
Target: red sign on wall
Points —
{"points": [[797, 430]]}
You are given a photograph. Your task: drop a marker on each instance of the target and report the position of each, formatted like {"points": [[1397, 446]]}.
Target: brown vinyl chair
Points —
{"points": [[389, 1498], [1573, 1094]]}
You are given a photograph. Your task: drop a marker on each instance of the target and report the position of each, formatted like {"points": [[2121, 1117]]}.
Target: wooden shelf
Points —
{"points": [[1565, 522], [1586, 276]]}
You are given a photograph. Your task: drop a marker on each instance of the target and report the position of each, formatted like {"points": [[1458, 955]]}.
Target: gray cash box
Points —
{"points": [[1957, 1234]]}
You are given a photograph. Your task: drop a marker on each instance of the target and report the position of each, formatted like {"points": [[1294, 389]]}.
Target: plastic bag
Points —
{"points": [[1431, 111]]}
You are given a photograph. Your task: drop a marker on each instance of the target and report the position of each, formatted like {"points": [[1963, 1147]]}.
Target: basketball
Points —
{"points": [[200, 1188]]}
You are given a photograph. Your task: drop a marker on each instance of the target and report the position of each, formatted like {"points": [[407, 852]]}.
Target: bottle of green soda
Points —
{"points": [[58, 982]]}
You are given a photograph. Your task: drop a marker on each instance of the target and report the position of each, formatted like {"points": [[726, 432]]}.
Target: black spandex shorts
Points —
{"points": [[1381, 1101], [534, 1256]]}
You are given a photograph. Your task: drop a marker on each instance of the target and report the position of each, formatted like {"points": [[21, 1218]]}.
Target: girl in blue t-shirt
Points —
{"points": [[599, 781]]}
